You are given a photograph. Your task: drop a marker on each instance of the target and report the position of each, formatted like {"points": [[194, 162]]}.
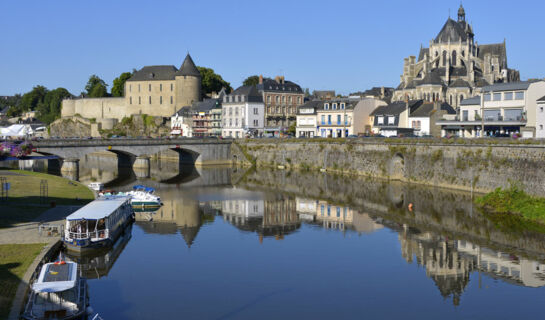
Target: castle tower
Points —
{"points": [[188, 83]]}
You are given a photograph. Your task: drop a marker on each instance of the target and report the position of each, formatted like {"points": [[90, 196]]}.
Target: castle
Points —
{"points": [[454, 67], [152, 90]]}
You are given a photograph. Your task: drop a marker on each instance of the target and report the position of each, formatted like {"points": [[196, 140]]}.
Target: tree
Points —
{"points": [[50, 108], [291, 129], [96, 87], [118, 89], [212, 82], [31, 99], [251, 81]]}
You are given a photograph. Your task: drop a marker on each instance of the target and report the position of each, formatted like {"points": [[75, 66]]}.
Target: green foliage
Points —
{"points": [[212, 82], [29, 101], [514, 201], [118, 89], [291, 129], [126, 121], [251, 81], [96, 87], [50, 108], [437, 155]]}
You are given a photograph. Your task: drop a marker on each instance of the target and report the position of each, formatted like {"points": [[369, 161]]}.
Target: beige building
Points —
{"points": [[153, 90], [340, 118]]}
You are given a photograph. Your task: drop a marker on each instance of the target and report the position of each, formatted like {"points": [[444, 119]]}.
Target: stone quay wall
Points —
{"points": [[473, 167]]}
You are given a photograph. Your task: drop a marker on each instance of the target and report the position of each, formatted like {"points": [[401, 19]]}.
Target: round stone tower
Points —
{"points": [[188, 83]]}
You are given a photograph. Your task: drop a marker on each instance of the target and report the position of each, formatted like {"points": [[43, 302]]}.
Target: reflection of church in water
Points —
{"points": [[449, 262]]}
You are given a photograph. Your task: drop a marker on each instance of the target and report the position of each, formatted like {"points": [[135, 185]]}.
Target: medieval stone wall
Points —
{"points": [[480, 168]]}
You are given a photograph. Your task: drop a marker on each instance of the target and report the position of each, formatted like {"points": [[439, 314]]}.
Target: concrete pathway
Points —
{"points": [[28, 232]]}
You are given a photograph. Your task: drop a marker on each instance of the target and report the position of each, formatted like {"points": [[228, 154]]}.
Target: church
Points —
{"points": [[454, 66]]}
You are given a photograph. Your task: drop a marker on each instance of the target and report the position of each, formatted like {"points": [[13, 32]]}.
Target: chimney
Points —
{"points": [[260, 79], [277, 79], [282, 79], [382, 92]]}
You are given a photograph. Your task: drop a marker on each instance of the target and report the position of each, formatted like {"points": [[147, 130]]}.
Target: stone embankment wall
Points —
{"points": [[480, 168], [70, 127]]}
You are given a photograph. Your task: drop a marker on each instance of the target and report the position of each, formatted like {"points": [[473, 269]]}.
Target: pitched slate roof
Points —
{"points": [[188, 68], [270, 85], [423, 51], [314, 104], [431, 78], [154, 73], [471, 101], [453, 31], [204, 106], [523, 85], [426, 109], [460, 83], [493, 49], [348, 104], [541, 99], [397, 107], [249, 91]]}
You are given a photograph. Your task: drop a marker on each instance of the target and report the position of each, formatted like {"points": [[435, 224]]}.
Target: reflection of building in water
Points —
{"points": [[439, 257], [449, 262], [507, 266], [271, 217], [177, 213], [332, 216]]}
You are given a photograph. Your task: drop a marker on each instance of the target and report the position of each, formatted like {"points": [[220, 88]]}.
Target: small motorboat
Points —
{"points": [[142, 196], [58, 293], [97, 186]]}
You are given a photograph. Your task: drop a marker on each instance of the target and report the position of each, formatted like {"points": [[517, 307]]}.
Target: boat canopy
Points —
{"points": [[56, 277], [100, 208], [147, 189]]}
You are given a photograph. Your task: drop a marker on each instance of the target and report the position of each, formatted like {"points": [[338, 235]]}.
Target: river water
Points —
{"points": [[245, 244]]}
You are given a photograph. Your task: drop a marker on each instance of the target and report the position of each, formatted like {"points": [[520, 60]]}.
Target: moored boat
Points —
{"points": [[58, 293], [98, 224], [143, 197], [97, 186]]}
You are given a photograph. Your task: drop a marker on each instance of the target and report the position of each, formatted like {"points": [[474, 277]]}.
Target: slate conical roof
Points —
{"points": [[188, 68]]}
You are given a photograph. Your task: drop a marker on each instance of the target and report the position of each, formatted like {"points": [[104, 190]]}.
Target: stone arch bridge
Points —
{"points": [[137, 152]]}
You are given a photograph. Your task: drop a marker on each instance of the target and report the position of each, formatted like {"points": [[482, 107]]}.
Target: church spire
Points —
{"points": [[461, 13]]}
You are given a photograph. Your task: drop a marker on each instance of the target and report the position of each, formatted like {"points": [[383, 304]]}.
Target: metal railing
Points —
{"points": [[99, 234]]}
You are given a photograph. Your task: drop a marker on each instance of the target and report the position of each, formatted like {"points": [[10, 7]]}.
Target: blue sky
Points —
{"points": [[341, 45]]}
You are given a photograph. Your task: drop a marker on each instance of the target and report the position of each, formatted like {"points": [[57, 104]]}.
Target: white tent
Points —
{"points": [[17, 131]]}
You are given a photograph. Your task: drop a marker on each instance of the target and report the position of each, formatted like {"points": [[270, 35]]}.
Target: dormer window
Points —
{"points": [[326, 106], [334, 106], [342, 106]]}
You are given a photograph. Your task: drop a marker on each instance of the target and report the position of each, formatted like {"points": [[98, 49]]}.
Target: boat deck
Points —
{"points": [[58, 272]]}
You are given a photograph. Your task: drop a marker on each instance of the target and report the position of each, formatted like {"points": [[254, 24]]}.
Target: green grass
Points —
{"points": [[24, 196], [514, 209], [15, 259]]}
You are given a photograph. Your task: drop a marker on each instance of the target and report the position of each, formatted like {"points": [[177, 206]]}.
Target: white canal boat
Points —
{"points": [[98, 224], [58, 293]]}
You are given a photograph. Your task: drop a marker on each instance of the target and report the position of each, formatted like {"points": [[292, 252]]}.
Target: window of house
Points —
{"points": [[171, 99], [268, 99], [328, 210], [540, 109], [130, 87], [277, 109], [172, 87], [540, 127], [255, 111], [139, 101], [130, 100], [160, 99], [236, 122], [487, 97], [329, 119], [149, 87], [497, 96], [322, 210], [326, 106], [391, 120], [345, 119], [138, 87], [519, 95], [256, 123], [277, 99], [334, 106], [508, 96], [160, 87], [380, 120], [149, 98], [323, 119], [342, 106], [289, 99], [338, 212], [230, 111], [283, 99], [230, 122], [298, 99], [338, 119]]}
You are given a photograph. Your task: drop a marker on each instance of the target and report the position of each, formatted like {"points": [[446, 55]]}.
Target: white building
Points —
{"points": [[501, 109], [180, 124], [243, 113], [540, 118], [306, 119]]}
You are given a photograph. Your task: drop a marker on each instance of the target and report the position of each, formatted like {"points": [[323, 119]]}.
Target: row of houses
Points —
{"points": [[503, 109]]}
